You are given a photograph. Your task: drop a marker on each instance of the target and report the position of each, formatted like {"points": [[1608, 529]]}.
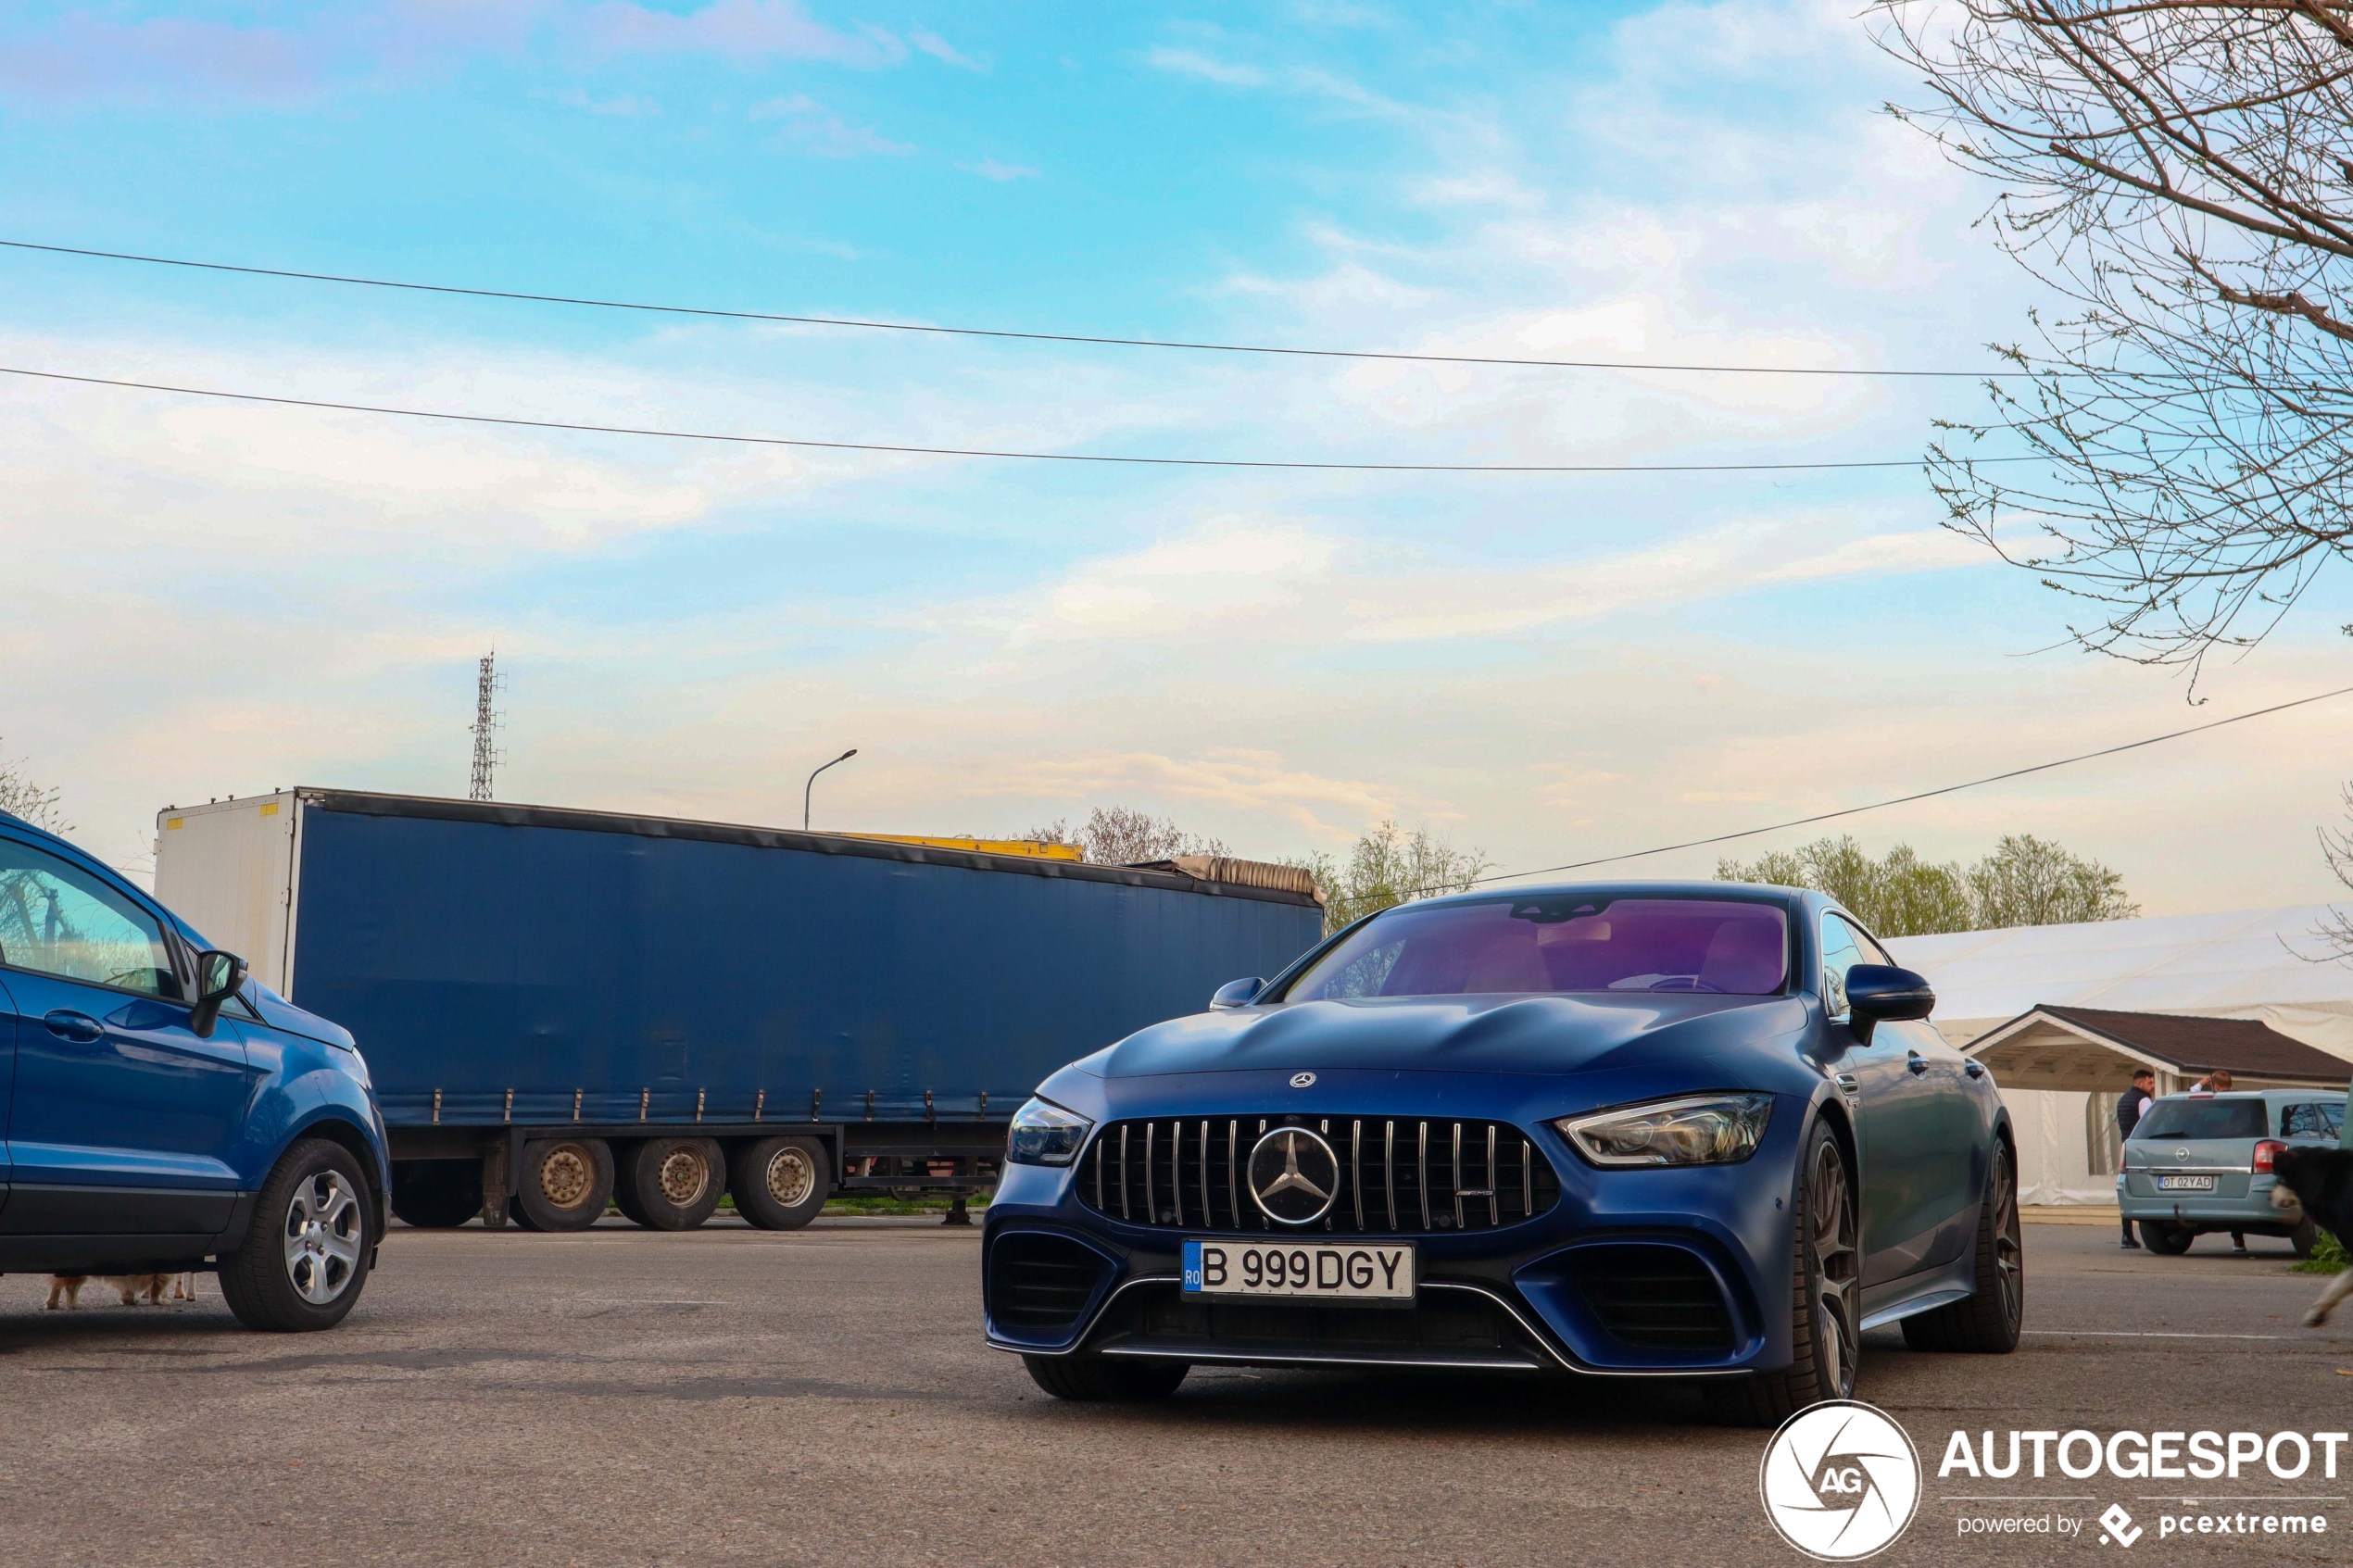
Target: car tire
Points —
{"points": [[2305, 1237], [305, 1256], [1990, 1319], [1101, 1380], [564, 1184], [674, 1184], [2162, 1235], [436, 1195], [1824, 1296], [780, 1183]]}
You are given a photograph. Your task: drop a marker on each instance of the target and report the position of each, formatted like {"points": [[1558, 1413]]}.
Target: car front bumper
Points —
{"points": [[1653, 1272]]}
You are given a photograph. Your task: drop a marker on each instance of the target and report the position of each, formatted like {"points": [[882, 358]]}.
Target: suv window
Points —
{"points": [[2202, 1118], [2323, 1118], [57, 919]]}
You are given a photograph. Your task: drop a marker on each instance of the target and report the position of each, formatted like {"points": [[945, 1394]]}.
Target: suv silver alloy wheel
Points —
{"points": [[324, 1231], [789, 1177]]}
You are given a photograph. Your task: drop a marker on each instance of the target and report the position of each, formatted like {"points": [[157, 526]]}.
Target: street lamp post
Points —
{"points": [[812, 785]]}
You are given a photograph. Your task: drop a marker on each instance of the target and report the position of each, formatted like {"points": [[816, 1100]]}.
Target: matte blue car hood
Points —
{"points": [[1479, 1033]]}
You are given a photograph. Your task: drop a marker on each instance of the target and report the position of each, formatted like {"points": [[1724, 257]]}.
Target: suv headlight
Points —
{"points": [[1044, 1133], [1696, 1129]]}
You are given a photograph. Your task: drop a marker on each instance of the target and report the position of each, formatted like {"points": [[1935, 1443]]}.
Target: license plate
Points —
{"points": [[1308, 1271], [2185, 1184]]}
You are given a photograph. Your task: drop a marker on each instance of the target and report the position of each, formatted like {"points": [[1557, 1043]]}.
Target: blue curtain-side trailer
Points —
{"points": [[562, 1007]]}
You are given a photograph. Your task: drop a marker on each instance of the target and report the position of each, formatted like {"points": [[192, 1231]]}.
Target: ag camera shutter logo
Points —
{"points": [[1840, 1480]]}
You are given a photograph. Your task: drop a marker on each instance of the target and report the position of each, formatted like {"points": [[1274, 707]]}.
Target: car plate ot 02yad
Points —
{"points": [[1308, 1271], [2185, 1184]]}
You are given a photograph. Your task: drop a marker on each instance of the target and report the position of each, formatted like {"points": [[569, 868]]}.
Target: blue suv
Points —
{"points": [[165, 1112]]}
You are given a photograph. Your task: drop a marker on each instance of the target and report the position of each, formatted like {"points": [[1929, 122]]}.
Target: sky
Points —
{"points": [[206, 598]]}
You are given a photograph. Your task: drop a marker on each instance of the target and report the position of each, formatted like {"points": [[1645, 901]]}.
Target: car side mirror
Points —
{"points": [[219, 977], [1236, 994], [1881, 993]]}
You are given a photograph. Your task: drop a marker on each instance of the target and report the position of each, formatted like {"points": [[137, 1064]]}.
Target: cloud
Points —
{"points": [[625, 106], [938, 49], [742, 32], [85, 57], [989, 169], [1191, 62], [1248, 780], [814, 128]]}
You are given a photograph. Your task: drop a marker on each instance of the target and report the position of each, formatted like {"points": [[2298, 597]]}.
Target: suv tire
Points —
{"points": [[780, 1183], [305, 1256]]}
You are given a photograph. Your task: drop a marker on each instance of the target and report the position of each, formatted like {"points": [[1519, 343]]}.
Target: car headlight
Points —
{"points": [[1044, 1133], [1698, 1130]]}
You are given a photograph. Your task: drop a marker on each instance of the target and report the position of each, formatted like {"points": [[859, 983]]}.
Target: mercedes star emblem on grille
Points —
{"points": [[1295, 1175], [1300, 1080]]}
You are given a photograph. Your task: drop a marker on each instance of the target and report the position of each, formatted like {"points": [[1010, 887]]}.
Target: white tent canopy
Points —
{"points": [[2263, 965]]}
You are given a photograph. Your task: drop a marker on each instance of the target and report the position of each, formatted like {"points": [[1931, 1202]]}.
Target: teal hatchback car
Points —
{"points": [[2200, 1162]]}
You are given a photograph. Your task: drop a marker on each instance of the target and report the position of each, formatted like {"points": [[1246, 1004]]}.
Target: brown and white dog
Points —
{"points": [[2320, 1182], [131, 1287]]}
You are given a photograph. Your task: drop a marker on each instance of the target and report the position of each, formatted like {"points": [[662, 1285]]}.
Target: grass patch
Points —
{"points": [[868, 1206], [2328, 1258]]}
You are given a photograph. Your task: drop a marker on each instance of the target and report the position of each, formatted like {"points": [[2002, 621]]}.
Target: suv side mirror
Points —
{"points": [[219, 977], [1879, 993], [1236, 994]]}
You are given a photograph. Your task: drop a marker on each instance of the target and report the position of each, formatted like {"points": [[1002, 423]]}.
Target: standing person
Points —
{"points": [[2219, 1082], [2130, 1108]]}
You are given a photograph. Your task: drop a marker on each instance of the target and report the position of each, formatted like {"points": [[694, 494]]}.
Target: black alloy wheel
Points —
{"points": [[1990, 1319], [1826, 1298]]}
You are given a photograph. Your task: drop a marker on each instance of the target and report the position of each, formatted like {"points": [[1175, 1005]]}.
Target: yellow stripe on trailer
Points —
{"points": [[1029, 847]]}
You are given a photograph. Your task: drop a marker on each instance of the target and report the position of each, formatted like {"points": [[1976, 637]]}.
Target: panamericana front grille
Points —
{"points": [[1654, 1298], [1042, 1282], [1398, 1176]]}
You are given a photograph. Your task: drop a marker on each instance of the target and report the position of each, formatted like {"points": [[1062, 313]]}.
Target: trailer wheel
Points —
{"points": [[436, 1195], [564, 1184], [675, 1182], [780, 1183]]}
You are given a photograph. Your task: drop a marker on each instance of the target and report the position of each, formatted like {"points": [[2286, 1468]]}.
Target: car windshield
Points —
{"points": [[2202, 1118], [1558, 942]]}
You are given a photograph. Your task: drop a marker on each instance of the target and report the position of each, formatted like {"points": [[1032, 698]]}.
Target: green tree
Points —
{"points": [[1389, 866], [2025, 881]]}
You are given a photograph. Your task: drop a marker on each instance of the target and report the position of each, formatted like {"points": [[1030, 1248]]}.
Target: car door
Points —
{"points": [[1906, 1185], [121, 1121]]}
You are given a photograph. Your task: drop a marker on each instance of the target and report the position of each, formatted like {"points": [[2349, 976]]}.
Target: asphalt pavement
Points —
{"points": [[731, 1396]]}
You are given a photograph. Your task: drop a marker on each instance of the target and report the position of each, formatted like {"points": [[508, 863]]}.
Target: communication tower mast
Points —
{"points": [[485, 726]]}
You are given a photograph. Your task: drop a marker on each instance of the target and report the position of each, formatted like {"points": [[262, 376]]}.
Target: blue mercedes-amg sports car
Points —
{"points": [[1671, 1130]]}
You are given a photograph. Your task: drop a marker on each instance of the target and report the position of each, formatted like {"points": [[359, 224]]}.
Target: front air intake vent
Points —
{"points": [[1654, 1297], [1396, 1176], [1041, 1284]]}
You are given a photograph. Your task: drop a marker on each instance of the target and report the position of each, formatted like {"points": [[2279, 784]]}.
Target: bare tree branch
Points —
{"points": [[2179, 172]]}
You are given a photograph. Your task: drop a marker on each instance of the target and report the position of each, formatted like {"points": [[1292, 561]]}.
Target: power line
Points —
{"points": [[909, 450], [867, 325], [1907, 799]]}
